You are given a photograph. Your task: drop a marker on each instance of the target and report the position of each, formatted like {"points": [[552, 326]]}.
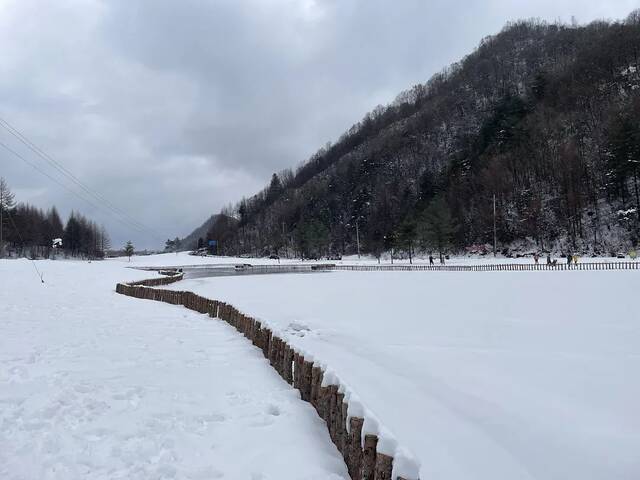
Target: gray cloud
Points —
{"points": [[174, 109]]}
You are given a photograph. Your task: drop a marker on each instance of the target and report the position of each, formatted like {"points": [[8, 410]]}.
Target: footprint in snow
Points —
{"points": [[273, 410], [297, 329], [18, 374]]}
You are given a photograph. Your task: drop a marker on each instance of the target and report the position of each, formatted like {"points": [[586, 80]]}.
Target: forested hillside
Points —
{"points": [[196, 237], [545, 117], [27, 230]]}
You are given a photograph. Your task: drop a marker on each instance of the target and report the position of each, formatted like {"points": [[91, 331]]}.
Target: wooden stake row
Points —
{"points": [[360, 455], [501, 267]]}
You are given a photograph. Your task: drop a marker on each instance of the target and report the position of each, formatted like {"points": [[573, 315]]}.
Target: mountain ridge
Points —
{"points": [[543, 116]]}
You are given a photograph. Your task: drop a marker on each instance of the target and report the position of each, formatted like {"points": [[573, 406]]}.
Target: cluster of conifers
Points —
{"points": [[360, 454]]}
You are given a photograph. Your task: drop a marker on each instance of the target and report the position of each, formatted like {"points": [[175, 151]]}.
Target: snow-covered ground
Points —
{"points": [[496, 375], [95, 385], [502, 375]]}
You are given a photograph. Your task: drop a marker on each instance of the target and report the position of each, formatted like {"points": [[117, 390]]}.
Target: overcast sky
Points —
{"points": [[173, 109]]}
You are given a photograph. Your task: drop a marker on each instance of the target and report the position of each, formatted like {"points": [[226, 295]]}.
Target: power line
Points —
{"points": [[39, 170], [55, 180], [65, 172], [106, 205]]}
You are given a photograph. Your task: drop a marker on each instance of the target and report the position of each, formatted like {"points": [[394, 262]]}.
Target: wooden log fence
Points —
{"points": [[360, 454], [499, 267]]}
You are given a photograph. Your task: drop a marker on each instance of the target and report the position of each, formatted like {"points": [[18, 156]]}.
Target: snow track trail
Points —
{"points": [[95, 385]]}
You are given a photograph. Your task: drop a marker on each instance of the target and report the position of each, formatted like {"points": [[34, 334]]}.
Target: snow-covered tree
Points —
{"points": [[7, 203], [128, 249]]}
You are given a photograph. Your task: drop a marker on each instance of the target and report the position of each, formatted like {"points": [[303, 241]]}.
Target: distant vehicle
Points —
{"points": [[620, 255], [334, 257], [242, 266], [274, 257]]}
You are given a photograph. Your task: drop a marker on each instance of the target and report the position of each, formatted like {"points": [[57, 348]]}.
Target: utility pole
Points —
{"points": [[358, 237], [285, 243], [495, 236]]}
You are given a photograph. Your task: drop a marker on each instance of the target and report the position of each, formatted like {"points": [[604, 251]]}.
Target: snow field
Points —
{"points": [[507, 375], [100, 386]]}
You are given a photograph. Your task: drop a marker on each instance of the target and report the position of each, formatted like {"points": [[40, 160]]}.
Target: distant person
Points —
{"points": [[569, 259], [575, 259], [536, 257], [548, 259], [430, 259]]}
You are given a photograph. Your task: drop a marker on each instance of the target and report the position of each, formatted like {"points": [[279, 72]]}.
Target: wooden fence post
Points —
{"points": [[288, 360], [384, 467], [369, 457], [354, 463], [316, 382]]}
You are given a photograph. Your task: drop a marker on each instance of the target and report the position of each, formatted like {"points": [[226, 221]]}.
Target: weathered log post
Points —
{"points": [[186, 300], [237, 319], [295, 373], [307, 366], [267, 342], [288, 368], [338, 421], [324, 401], [271, 354], [280, 357], [369, 457], [298, 375], [354, 462], [344, 440], [264, 341], [257, 335], [246, 325], [333, 412], [384, 467], [277, 355], [316, 382]]}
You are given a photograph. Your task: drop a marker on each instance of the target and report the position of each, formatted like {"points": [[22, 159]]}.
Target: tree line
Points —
{"points": [[533, 139], [29, 231]]}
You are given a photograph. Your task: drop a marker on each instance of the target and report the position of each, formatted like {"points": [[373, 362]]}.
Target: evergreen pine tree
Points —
{"points": [[437, 227], [7, 202], [128, 249]]}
